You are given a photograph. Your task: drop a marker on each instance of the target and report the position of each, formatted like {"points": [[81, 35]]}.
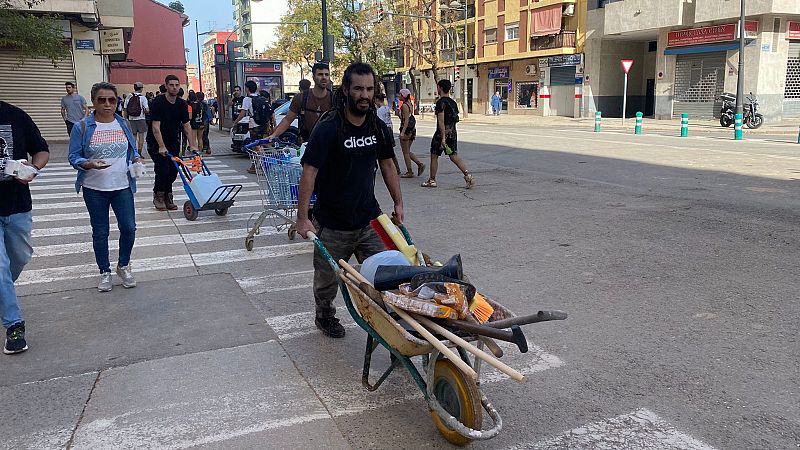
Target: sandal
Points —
{"points": [[470, 180], [407, 175], [420, 169], [429, 184]]}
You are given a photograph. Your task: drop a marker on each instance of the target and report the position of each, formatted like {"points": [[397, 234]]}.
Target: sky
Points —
{"points": [[210, 15]]}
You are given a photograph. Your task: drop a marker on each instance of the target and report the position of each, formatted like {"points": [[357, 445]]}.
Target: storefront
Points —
{"points": [[516, 81], [499, 83], [791, 96], [561, 78]]}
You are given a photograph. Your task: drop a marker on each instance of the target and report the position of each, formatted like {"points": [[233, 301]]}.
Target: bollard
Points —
{"points": [[684, 125], [638, 128], [597, 119], [737, 133]]}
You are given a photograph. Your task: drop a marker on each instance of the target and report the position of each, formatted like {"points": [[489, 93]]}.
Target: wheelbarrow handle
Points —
{"points": [[541, 316], [515, 336]]}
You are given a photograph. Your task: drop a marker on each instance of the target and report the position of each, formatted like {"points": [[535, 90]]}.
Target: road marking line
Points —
{"points": [[41, 251], [72, 173], [276, 283], [167, 262], [639, 430], [140, 191], [55, 181]]}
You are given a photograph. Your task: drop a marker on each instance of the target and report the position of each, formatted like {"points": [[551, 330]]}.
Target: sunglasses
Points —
{"points": [[107, 100]]}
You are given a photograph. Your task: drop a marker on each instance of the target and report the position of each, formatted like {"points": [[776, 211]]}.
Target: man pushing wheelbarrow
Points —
{"points": [[339, 165]]}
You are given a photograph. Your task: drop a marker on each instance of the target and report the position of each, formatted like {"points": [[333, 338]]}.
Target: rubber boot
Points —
{"points": [[168, 201], [390, 277], [158, 201]]}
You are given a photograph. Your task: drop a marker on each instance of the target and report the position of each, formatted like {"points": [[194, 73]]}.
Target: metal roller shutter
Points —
{"points": [[791, 96], [37, 87], [699, 81], [562, 76]]}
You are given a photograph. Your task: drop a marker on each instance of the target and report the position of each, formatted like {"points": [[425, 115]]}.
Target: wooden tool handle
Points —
{"points": [[490, 344], [455, 359], [472, 349], [349, 269]]}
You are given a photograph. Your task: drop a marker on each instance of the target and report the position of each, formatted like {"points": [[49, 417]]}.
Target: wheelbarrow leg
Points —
{"points": [[395, 362]]}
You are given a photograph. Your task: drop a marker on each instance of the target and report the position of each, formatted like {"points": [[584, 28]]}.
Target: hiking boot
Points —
{"points": [[126, 275], [105, 284], [158, 201], [330, 327], [15, 339], [168, 201]]}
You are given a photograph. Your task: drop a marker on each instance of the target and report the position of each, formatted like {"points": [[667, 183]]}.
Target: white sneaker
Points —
{"points": [[105, 282], [126, 274]]}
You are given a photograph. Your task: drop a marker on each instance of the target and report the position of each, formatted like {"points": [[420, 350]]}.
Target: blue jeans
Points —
{"points": [[97, 202], [15, 252]]}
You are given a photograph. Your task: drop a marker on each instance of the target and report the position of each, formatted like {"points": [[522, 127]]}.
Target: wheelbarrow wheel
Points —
{"points": [[292, 232], [189, 211], [221, 211], [459, 396]]}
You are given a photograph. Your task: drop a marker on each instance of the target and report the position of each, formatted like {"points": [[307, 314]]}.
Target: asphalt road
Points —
{"points": [[676, 259]]}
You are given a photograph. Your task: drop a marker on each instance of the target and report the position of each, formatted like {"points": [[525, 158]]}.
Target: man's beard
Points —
{"points": [[352, 105]]}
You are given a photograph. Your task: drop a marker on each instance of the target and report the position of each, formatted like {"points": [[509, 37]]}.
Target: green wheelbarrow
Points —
{"points": [[454, 399]]}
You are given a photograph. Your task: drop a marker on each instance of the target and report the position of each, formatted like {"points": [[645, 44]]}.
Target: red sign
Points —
{"points": [[710, 35], [262, 67], [626, 65], [794, 30]]}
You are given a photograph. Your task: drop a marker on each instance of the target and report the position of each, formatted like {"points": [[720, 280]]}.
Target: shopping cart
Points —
{"points": [[278, 173]]}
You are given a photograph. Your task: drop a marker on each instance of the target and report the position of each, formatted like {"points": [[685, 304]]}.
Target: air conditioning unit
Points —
{"points": [[530, 69], [569, 10]]}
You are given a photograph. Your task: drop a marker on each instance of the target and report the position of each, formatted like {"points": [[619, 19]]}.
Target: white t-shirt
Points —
{"points": [[110, 144], [142, 101], [247, 105], [385, 114]]}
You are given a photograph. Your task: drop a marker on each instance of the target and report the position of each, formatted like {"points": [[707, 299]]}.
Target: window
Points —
{"points": [[491, 35], [527, 95], [512, 31]]}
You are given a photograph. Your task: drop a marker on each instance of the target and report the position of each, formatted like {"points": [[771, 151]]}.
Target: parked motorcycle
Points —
{"points": [[727, 114]]}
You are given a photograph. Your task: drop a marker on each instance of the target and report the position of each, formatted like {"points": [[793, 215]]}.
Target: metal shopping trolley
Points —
{"points": [[278, 173]]}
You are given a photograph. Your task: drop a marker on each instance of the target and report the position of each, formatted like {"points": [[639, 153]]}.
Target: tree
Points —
{"points": [[34, 36], [420, 36], [177, 6]]}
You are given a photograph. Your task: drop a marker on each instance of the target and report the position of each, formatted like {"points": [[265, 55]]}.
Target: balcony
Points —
{"points": [[446, 55], [630, 16], [561, 40], [457, 15]]}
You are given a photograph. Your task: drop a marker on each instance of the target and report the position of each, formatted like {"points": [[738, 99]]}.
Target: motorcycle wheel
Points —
{"points": [[725, 120], [755, 121]]}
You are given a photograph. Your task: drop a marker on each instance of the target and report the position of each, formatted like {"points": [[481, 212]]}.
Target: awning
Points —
{"points": [[704, 48], [546, 21]]}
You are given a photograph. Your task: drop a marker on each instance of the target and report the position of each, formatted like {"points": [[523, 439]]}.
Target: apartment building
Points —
{"points": [[208, 74], [686, 53], [97, 32], [529, 51]]}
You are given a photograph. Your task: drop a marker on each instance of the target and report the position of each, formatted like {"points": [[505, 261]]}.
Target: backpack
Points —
{"points": [[262, 112], [134, 108], [197, 113], [451, 105], [305, 134]]}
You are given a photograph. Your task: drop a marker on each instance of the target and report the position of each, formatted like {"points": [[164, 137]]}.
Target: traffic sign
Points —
{"points": [[626, 65]]}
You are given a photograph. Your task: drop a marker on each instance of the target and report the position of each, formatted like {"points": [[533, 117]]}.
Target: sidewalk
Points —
{"points": [[787, 127], [157, 366]]}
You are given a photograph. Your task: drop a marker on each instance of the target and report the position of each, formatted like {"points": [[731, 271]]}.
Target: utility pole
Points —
{"points": [[740, 80], [326, 50], [199, 61]]}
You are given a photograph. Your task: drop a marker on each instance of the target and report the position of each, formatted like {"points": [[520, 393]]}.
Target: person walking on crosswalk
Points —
{"points": [[101, 148], [19, 137]]}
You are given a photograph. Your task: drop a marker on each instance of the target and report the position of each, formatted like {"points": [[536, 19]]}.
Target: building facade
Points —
{"points": [[528, 51], [686, 54], [97, 33], [156, 48], [207, 73]]}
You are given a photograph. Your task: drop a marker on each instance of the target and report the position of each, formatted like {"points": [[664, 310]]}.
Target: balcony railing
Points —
{"points": [[455, 15], [561, 40], [447, 54]]}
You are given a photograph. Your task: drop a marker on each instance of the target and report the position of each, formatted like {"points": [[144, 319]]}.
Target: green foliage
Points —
{"points": [[33, 35], [177, 6]]}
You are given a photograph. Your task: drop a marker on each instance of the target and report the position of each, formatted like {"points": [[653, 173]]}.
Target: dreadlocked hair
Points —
{"points": [[340, 101]]}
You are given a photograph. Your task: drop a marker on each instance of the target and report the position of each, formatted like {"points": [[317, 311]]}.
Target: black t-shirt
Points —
{"points": [[172, 117], [347, 163], [19, 137], [450, 109]]}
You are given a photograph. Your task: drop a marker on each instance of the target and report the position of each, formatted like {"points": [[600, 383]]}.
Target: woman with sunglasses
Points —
{"points": [[101, 147]]}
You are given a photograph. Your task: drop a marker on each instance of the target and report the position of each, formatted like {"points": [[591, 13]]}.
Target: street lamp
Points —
{"points": [[456, 5], [199, 60]]}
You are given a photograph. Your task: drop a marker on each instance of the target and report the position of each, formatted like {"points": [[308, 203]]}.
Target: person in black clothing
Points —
{"points": [[339, 165], [19, 137], [445, 139], [169, 116]]}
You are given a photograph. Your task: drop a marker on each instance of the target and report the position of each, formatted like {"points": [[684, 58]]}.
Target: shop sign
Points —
{"points": [[711, 35], [579, 79], [262, 67], [794, 30], [84, 44], [113, 41], [561, 61], [498, 72]]}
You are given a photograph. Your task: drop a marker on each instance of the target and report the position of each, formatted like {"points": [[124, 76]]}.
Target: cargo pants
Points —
{"points": [[362, 243]]}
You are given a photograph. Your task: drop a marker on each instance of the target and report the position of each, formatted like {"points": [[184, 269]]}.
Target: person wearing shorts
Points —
{"points": [[445, 139]]}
